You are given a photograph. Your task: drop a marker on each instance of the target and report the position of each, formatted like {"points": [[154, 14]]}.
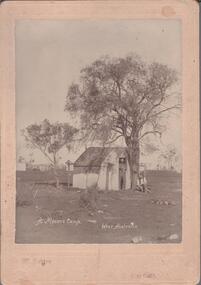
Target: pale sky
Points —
{"points": [[50, 54]]}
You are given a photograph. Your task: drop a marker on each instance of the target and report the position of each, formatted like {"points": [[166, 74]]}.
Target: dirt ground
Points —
{"points": [[47, 215]]}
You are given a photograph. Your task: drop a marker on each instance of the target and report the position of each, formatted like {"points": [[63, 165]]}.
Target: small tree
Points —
{"points": [[49, 139], [122, 97], [170, 155]]}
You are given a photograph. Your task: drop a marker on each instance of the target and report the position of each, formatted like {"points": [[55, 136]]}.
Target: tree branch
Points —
{"points": [[39, 148], [149, 116], [165, 110], [149, 132], [115, 139]]}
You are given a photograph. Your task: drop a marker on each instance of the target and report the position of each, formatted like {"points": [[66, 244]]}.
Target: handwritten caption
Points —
{"points": [[35, 261]]}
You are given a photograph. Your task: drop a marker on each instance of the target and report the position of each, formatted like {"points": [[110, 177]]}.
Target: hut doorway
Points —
{"points": [[122, 173], [108, 175]]}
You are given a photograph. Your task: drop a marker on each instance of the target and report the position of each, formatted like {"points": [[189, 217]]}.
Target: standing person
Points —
{"points": [[142, 182]]}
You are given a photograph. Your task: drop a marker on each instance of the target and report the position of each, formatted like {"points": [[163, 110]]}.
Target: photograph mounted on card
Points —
{"points": [[100, 109]]}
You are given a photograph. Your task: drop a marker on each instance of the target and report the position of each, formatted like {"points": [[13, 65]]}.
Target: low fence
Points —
{"points": [[66, 177], [168, 176], [37, 176]]}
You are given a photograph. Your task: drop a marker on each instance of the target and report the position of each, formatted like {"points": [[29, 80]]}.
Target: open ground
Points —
{"points": [[47, 215]]}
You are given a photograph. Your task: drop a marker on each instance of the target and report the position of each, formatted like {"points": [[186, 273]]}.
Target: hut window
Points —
{"points": [[122, 160]]}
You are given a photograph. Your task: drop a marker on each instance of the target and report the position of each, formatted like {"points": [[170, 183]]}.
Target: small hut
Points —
{"points": [[104, 167]]}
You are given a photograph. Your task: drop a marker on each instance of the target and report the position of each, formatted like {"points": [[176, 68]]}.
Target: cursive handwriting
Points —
{"points": [[52, 221]]}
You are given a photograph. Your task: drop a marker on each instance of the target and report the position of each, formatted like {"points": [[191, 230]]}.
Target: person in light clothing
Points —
{"points": [[142, 182]]}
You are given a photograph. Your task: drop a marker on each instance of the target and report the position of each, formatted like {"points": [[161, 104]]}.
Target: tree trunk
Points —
{"points": [[134, 161], [57, 178], [55, 173]]}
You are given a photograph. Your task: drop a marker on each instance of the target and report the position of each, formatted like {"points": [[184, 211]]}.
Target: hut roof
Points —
{"points": [[94, 156]]}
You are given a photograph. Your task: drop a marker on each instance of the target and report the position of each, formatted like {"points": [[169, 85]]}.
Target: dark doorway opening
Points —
{"points": [[122, 173]]}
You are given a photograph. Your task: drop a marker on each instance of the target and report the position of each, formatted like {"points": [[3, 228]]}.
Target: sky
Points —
{"points": [[51, 53]]}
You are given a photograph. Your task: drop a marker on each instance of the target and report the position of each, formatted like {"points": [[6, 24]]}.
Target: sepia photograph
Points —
{"points": [[98, 131], [100, 142]]}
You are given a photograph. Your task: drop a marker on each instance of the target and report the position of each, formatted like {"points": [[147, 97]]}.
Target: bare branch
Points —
{"points": [[39, 148], [150, 132], [149, 116], [115, 139], [167, 109]]}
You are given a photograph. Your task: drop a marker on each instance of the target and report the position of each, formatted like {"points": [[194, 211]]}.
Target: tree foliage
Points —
{"points": [[49, 138], [122, 97], [171, 155]]}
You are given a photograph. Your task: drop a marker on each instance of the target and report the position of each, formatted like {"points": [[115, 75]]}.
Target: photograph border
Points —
{"points": [[102, 263]]}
